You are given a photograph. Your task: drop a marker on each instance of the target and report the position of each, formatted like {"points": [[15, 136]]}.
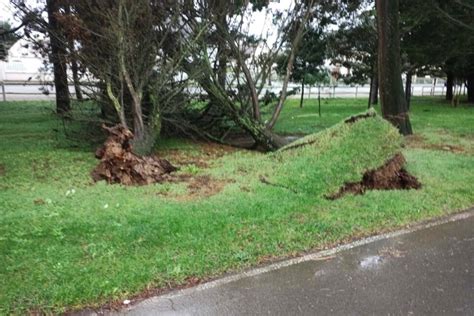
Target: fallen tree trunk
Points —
{"points": [[119, 164]]}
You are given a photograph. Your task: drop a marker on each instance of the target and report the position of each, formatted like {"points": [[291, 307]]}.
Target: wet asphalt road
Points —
{"points": [[425, 272]]}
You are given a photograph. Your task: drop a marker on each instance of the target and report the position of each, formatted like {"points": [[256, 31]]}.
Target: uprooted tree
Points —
{"points": [[147, 59], [121, 44], [249, 58], [119, 164], [227, 45]]}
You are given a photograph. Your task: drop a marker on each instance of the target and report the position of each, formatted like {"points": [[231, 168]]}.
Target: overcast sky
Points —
{"points": [[260, 21], [5, 10]]}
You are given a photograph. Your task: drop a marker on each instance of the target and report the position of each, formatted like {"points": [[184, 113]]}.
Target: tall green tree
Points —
{"points": [[436, 35], [309, 60], [354, 45]]}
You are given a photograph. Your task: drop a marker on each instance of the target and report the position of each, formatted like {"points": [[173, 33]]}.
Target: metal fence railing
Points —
{"points": [[16, 91]]}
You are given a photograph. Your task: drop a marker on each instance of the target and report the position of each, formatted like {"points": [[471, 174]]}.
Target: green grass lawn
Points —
{"points": [[67, 243]]}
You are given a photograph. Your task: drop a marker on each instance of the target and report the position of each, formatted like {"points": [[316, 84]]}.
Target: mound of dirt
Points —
{"points": [[118, 163], [390, 176]]}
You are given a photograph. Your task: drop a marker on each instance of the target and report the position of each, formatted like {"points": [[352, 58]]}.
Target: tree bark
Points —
{"points": [[374, 98], [470, 88], [408, 88], [394, 106], [319, 101], [136, 94], [57, 57], [246, 71], [116, 103], [221, 51], [75, 78], [73, 61], [370, 92], [374, 88], [262, 135], [302, 93], [449, 86]]}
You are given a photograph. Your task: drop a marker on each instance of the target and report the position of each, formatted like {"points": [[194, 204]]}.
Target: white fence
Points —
{"points": [[16, 91]]}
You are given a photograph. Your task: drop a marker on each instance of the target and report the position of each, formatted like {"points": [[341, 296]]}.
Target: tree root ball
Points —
{"points": [[390, 176], [119, 164]]}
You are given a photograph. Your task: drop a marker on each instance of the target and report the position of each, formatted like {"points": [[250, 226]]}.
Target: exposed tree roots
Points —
{"points": [[355, 118], [390, 176], [118, 163]]}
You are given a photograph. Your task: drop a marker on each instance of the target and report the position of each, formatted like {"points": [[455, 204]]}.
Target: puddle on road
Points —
{"points": [[370, 262]]}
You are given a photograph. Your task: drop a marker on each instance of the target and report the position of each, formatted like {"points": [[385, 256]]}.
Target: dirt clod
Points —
{"points": [[118, 163], [2, 170], [390, 176]]}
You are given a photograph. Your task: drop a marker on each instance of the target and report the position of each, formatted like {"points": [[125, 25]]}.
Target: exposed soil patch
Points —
{"points": [[118, 163], [418, 141], [356, 118], [205, 186], [390, 176], [2, 170], [198, 187], [216, 150]]}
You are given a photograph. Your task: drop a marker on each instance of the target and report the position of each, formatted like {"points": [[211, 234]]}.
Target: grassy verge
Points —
{"points": [[68, 243]]}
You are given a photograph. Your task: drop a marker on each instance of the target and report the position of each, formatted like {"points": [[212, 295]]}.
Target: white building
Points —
{"points": [[22, 64]]}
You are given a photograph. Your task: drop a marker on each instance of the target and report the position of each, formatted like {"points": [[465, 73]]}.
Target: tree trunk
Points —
{"points": [[118, 106], [136, 93], [75, 78], [262, 135], [73, 60], [221, 51], [408, 88], [394, 106], [138, 124], [289, 66], [319, 101], [302, 93], [470, 88], [248, 76], [370, 92], [222, 68], [270, 75], [57, 57], [374, 95], [449, 86]]}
